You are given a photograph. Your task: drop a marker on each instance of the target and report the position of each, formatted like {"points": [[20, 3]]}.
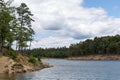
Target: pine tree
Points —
{"points": [[25, 32], [5, 19]]}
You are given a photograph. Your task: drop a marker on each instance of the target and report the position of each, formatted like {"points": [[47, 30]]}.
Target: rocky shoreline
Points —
{"points": [[21, 65]]}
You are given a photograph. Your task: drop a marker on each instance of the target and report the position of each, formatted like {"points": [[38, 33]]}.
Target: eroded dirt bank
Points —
{"points": [[20, 65]]}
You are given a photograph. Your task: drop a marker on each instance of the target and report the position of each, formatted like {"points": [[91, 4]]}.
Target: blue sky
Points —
{"points": [[111, 6], [60, 23]]}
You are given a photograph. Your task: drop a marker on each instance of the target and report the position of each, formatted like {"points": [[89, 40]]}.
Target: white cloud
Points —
{"points": [[50, 42], [67, 21]]}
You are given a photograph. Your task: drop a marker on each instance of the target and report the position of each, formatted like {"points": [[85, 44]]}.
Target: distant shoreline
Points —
{"points": [[96, 57], [90, 57]]}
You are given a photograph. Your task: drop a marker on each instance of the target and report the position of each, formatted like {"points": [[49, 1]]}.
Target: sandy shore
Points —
{"points": [[96, 57]]}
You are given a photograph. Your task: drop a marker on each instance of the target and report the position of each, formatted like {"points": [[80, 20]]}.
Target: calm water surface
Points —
{"points": [[73, 70]]}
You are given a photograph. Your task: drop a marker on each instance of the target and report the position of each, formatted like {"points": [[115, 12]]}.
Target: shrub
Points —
{"points": [[39, 59], [9, 52], [32, 60], [13, 54]]}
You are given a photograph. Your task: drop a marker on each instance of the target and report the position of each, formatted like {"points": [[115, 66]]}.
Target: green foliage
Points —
{"points": [[39, 59], [25, 31], [15, 26], [32, 60], [10, 53], [13, 54], [107, 45], [5, 20]]}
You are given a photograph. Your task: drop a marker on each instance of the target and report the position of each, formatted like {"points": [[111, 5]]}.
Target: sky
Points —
{"points": [[60, 23], [112, 7]]}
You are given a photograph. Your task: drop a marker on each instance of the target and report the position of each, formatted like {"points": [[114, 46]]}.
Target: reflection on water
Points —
{"points": [[72, 70], [6, 77]]}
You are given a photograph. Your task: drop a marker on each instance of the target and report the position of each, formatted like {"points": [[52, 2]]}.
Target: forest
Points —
{"points": [[106, 45], [15, 27]]}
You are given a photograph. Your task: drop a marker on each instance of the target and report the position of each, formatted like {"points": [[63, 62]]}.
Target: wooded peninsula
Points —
{"points": [[99, 48], [15, 27]]}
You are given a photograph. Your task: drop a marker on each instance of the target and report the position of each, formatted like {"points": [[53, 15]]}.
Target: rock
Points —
{"points": [[46, 65]]}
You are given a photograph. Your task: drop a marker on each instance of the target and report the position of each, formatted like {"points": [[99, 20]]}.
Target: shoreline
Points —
{"points": [[96, 57], [21, 65], [90, 57]]}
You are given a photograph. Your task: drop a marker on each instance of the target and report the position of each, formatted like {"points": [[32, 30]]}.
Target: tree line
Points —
{"points": [[107, 45], [15, 26]]}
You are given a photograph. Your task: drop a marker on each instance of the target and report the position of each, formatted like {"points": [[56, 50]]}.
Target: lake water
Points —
{"points": [[73, 70]]}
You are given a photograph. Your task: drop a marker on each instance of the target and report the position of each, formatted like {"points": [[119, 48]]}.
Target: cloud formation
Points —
{"points": [[67, 21]]}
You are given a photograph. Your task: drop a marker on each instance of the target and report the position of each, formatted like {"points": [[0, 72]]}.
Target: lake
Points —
{"points": [[72, 70]]}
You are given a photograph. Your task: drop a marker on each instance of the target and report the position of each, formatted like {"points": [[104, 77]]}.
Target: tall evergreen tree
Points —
{"points": [[5, 19], [25, 31]]}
